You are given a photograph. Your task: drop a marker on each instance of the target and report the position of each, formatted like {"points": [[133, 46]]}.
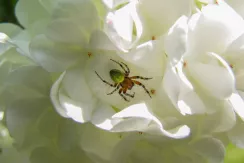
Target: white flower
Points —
{"points": [[86, 55], [146, 80], [206, 71]]}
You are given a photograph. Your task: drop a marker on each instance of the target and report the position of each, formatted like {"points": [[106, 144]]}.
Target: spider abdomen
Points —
{"points": [[117, 76]]}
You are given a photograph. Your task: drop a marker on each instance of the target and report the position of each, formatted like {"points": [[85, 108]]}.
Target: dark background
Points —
{"points": [[7, 11]]}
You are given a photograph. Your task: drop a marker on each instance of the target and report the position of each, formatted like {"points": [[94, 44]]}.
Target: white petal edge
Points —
{"points": [[54, 95], [140, 112], [175, 40]]}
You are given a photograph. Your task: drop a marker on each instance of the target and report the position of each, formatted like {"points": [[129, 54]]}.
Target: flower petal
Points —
{"points": [[221, 120], [13, 155], [29, 11], [99, 40], [32, 80], [210, 148], [144, 148], [10, 29], [5, 43], [114, 3], [129, 38], [79, 12], [101, 143], [236, 134], [234, 56], [140, 121], [120, 27], [226, 118], [161, 104], [236, 100], [124, 148], [181, 92], [57, 31], [43, 154], [237, 5], [48, 5], [218, 22], [149, 56], [53, 56], [209, 75], [73, 99], [162, 14], [138, 118], [102, 116], [175, 40]]}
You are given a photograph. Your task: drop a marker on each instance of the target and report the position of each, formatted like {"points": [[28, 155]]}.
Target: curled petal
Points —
{"points": [[208, 76], [73, 99], [137, 117], [175, 40]]}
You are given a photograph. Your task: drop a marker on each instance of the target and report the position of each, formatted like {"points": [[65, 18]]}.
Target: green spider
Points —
{"points": [[123, 82]]}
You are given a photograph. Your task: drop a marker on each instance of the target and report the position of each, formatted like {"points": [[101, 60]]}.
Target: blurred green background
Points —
{"points": [[233, 155]]}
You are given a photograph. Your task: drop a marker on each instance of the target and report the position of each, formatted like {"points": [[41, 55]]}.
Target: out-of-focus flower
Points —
{"points": [[143, 147]]}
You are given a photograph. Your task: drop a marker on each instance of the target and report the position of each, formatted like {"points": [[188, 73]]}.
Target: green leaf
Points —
{"points": [[234, 154]]}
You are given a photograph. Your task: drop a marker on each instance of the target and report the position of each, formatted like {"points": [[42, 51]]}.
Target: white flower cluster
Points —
{"points": [[122, 81]]}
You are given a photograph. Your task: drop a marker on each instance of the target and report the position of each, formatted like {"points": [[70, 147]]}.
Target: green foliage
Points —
{"points": [[234, 154]]}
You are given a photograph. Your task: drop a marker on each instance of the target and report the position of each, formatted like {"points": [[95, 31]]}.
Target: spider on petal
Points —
{"points": [[123, 82]]}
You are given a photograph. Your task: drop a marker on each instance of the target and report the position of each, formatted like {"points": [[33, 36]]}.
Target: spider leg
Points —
{"points": [[105, 81], [117, 87], [143, 86], [120, 93], [127, 94], [140, 77], [126, 71], [130, 95]]}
